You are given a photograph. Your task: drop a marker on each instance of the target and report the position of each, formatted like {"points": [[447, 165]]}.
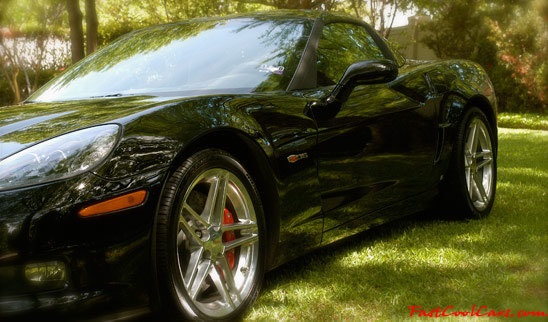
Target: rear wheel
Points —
{"points": [[210, 248], [469, 191]]}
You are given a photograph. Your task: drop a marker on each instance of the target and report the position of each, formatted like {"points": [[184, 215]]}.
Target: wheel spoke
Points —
{"points": [[476, 139], [484, 154], [192, 269], [239, 226], [467, 164], [479, 186], [469, 181], [242, 241], [189, 231], [221, 286], [216, 199], [204, 269], [229, 278], [471, 143], [180, 237], [484, 163], [195, 214]]}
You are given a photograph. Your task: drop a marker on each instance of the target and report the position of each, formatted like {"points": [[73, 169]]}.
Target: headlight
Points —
{"points": [[61, 157]]}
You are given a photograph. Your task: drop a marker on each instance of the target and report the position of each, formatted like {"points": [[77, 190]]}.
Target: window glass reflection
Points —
{"points": [[248, 54], [340, 46]]}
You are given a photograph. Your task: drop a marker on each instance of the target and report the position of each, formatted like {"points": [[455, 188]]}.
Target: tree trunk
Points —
{"points": [[40, 44], [372, 13], [165, 9], [387, 31], [355, 7], [11, 74], [16, 89], [381, 14], [76, 32], [91, 27]]}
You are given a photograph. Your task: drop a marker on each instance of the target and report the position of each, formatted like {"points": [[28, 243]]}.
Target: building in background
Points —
{"points": [[409, 37]]}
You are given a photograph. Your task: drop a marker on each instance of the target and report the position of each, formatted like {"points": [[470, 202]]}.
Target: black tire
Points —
{"points": [[175, 301], [455, 196]]}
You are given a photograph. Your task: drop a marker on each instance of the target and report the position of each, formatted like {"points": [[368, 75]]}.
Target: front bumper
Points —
{"points": [[84, 262]]}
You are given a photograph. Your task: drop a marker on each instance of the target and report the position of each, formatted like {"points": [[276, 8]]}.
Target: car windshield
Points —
{"points": [[230, 55]]}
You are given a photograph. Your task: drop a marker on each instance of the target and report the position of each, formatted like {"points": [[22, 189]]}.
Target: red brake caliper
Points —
{"points": [[228, 236]]}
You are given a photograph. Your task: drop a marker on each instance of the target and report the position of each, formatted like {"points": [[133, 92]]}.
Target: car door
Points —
{"points": [[379, 148]]}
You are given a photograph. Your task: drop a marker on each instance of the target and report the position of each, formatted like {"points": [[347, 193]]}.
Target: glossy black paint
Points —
{"points": [[377, 150], [375, 154]]}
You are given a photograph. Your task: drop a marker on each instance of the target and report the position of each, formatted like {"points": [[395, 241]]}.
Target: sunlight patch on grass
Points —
{"points": [[523, 121]]}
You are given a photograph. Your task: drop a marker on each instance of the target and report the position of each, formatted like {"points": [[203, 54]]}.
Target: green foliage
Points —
{"points": [[33, 17], [499, 261], [508, 38], [523, 51]]}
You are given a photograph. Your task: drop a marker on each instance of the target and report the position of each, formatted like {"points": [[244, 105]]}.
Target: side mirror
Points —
{"points": [[365, 73], [360, 73]]}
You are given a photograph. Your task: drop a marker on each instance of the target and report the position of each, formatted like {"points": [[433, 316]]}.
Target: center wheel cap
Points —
{"points": [[215, 242], [216, 239]]}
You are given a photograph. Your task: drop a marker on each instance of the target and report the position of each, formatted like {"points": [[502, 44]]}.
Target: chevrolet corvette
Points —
{"points": [[177, 165]]}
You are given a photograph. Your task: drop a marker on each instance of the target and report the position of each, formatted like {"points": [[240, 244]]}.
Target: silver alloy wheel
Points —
{"points": [[216, 286], [478, 164]]}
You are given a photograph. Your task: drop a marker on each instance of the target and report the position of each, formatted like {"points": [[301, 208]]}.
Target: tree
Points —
{"points": [[29, 29], [3, 9], [380, 13], [10, 66], [91, 27], [522, 50], [507, 37], [76, 31]]}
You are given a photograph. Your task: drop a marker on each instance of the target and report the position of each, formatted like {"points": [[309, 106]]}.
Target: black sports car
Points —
{"points": [[178, 164]]}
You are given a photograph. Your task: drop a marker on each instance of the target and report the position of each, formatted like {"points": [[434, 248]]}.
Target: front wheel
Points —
{"points": [[469, 191], [210, 249]]}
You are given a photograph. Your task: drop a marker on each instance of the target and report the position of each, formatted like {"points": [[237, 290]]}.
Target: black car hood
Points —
{"points": [[24, 125]]}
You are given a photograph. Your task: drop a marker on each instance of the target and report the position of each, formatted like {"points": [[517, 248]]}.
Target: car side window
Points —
{"points": [[341, 45]]}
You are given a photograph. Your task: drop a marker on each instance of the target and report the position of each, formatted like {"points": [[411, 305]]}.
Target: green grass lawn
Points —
{"points": [[499, 262]]}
